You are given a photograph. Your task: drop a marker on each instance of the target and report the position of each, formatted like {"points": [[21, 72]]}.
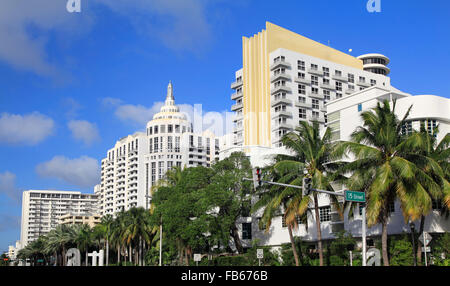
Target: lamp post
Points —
{"points": [[412, 227]]}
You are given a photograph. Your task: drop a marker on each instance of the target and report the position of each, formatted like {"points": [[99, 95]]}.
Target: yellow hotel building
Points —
{"points": [[286, 77]]}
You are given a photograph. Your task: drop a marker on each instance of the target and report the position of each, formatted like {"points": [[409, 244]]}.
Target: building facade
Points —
{"points": [[138, 161], [42, 209], [71, 219], [287, 78]]}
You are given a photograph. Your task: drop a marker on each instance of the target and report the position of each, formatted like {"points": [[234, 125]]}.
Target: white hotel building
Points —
{"points": [[287, 78], [42, 209], [138, 161]]}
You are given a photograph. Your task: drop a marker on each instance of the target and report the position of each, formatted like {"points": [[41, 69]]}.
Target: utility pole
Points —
{"points": [[160, 243]]}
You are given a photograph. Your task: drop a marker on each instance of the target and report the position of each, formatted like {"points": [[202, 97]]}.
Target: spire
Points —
{"points": [[169, 99]]}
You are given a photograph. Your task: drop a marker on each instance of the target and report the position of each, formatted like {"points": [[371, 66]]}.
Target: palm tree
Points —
{"points": [[104, 230], [278, 198], [137, 231], [381, 169], [57, 242], [437, 166], [83, 238], [311, 156]]}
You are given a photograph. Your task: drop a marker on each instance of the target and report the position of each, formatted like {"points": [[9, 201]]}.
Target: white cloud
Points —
{"points": [[8, 186], [137, 113], [178, 24], [28, 129], [84, 130], [25, 50], [82, 172], [219, 123]]}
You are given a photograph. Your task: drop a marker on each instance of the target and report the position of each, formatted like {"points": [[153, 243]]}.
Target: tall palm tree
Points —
{"points": [[381, 169], [277, 199], [83, 238], [437, 166], [137, 231], [105, 230], [311, 156], [58, 239]]}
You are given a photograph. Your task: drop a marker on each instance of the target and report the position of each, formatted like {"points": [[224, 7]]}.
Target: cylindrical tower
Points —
{"points": [[375, 63]]}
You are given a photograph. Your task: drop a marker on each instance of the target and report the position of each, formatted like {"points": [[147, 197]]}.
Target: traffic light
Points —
{"points": [[256, 172], [307, 186]]}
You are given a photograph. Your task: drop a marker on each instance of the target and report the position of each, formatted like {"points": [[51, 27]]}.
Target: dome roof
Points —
{"points": [[169, 110]]}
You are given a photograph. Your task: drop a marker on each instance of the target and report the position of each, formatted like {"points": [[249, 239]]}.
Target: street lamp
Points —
{"points": [[412, 226]]}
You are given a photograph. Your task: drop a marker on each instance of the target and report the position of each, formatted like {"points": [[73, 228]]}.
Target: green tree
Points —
{"points": [[312, 155], [436, 165], [381, 169], [276, 200]]}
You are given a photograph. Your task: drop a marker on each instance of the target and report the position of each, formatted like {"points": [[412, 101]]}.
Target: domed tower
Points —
{"points": [[375, 63]]}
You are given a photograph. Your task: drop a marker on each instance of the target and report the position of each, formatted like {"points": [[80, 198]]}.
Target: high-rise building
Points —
{"points": [[138, 161], [287, 78], [41, 210]]}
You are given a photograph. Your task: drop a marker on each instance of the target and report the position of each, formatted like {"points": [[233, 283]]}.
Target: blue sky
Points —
{"points": [[71, 84]]}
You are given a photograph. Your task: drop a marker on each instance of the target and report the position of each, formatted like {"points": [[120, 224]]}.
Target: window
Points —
{"points": [[315, 103], [326, 94], [150, 144], [314, 67], [326, 71], [314, 80], [155, 145], [301, 65], [150, 131], [315, 114], [302, 113], [162, 128], [177, 144], [324, 214], [283, 221], [351, 78], [169, 144], [247, 231], [301, 89], [339, 86], [301, 75], [359, 107], [326, 81], [406, 128], [302, 99], [362, 79], [161, 169], [156, 129], [373, 82], [338, 73], [314, 90], [153, 172], [170, 128]]}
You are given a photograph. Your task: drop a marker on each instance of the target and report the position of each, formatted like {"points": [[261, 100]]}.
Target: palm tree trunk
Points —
{"points": [[237, 240], [107, 252], [419, 247], [319, 232], [384, 242], [118, 254], [129, 253], [294, 249]]}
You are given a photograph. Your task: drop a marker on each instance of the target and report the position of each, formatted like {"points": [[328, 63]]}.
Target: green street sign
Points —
{"points": [[353, 196]]}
